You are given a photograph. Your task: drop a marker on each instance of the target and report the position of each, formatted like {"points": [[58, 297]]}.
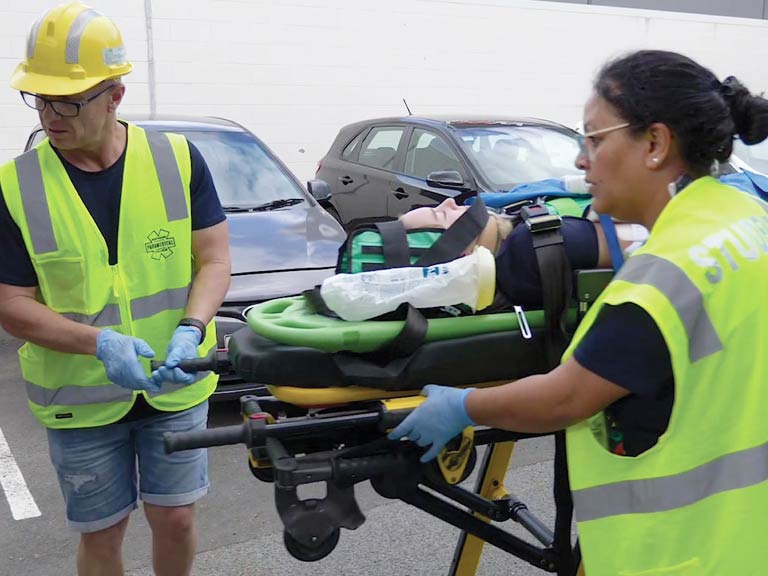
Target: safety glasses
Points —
{"points": [[65, 108]]}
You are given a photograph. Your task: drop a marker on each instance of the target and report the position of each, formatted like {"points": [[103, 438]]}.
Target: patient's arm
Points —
{"points": [[629, 235]]}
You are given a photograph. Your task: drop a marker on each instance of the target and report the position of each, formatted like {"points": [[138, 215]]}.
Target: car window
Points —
{"points": [[512, 155], [37, 137], [351, 148], [243, 172], [429, 152], [380, 146]]}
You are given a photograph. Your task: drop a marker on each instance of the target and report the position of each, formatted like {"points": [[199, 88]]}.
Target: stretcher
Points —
{"points": [[332, 391]]}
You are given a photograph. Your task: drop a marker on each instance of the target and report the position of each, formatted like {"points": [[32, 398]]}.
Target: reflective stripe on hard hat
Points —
{"points": [[109, 316], [684, 296], [147, 306], [169, 176], [729, 472], [76, 34], [32, 38], [36, 205]]}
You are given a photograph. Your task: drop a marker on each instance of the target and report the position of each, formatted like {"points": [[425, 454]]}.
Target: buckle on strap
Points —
{"points": [[538, 218]]}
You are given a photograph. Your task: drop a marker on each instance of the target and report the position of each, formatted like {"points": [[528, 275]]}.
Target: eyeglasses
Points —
{"points": [[64, 108], [587, 135]]}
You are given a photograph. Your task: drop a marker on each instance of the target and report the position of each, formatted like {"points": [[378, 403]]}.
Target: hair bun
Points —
{"points": [[741, 103]]}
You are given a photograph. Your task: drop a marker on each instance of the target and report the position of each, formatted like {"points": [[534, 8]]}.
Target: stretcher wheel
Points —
{"points": [[310, 553]]}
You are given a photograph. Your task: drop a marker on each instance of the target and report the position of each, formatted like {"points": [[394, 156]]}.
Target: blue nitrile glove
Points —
{"points": [[120, 355], [183, 345], [440, 417]]}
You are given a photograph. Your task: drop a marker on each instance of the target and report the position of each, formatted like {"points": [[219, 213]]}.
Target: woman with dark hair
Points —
{"points": [[663, 388]]}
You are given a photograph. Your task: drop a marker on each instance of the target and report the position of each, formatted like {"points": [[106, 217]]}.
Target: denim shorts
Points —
{"points": [[102, 471]]}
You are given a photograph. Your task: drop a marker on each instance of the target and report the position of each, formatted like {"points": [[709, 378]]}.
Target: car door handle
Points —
{"points": [[345, 180], [400, 193]]}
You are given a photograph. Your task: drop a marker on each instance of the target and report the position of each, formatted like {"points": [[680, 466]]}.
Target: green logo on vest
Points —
{"points": [[160, 245]]}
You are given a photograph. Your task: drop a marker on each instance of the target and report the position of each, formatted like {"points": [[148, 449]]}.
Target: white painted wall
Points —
{"points": [[294, 71]]}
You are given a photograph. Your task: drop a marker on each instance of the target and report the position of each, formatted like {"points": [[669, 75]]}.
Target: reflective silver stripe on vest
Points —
{"points": [[161, 301], [684, 296], [729, 472], [32, 38], [76, 34], [35, 203], [169, 176], [77, 395], [109, 316]]}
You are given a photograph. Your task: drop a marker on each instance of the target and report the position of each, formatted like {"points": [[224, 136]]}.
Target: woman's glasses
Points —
{"points": [[587, 135]]}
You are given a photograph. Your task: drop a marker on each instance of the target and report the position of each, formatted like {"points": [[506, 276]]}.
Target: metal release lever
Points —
{"points": [[522, 321]]}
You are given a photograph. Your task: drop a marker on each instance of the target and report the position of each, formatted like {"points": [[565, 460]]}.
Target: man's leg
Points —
{"points": [[96, 469], [100, 553], [174, 538], [170, 484]]}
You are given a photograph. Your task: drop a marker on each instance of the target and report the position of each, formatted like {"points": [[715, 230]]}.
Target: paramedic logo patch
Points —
{"points": [[160, 245]]}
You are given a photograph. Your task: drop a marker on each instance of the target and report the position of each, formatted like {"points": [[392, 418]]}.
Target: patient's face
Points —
{"points": [[441, 216]]}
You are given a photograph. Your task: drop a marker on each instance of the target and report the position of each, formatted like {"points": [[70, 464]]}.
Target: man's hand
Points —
{"points": [[183, 345], [120, 356], [439, 418]]}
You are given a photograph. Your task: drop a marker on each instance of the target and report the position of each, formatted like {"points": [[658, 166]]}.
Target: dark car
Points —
{"points": [[379, 169], [281, 241]]}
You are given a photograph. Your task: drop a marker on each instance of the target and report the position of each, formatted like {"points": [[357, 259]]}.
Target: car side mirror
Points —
{"points": [[319, 189], [446, 179]]}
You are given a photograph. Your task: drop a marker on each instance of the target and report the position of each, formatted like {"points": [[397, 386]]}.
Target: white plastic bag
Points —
{"points": [[469, 280]]}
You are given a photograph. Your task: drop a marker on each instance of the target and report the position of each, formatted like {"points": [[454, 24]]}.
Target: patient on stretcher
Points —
{"points": [[517, 272]]}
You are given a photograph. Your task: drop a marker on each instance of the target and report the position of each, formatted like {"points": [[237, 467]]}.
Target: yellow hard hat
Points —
{"points": [[70, 49]]}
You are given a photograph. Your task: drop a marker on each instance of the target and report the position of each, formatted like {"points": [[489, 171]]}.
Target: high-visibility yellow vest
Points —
{"points": [[694, 503], [143, 295]]}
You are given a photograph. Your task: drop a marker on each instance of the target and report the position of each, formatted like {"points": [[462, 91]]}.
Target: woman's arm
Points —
{"points": [[544, 403]]}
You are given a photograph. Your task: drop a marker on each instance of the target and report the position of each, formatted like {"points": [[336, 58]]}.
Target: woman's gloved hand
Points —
{"points": [[183, 345], [440, 417], [120, 355]]}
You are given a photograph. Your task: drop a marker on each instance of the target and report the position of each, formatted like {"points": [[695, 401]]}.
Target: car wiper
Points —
{"points": [[274, 205]]}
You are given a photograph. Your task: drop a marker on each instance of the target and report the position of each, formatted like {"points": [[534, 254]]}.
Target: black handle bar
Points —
{"points": [[217, 361], [224, 436]]}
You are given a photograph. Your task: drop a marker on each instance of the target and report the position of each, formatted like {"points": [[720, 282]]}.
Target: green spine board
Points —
{"points": [[292, 321]]}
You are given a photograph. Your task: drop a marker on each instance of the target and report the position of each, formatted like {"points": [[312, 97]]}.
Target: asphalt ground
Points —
{"points": [[239, 530]]}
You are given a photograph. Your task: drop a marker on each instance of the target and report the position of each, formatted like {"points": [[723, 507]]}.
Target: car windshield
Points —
{"points": [[516, 154], [245, 175], [756, 155]]}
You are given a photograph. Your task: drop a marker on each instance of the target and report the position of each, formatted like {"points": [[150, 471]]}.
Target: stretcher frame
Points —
{"points": [[291, 444]]}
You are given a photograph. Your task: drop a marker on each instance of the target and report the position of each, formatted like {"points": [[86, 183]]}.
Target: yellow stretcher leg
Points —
{"points": [[489, 484]]}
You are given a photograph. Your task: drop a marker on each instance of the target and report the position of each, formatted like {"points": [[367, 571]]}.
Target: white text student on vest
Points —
{"points": [[663, 389]]}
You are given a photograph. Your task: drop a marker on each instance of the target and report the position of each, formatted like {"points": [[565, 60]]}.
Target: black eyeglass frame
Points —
{"points": [[53, 102]]}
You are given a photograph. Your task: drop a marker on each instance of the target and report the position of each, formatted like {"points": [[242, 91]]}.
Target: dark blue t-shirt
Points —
{"points": [[100, 192], [624, 345]]}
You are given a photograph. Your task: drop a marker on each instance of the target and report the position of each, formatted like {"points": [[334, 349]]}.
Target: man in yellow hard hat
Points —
{"points": [[115, 247]]}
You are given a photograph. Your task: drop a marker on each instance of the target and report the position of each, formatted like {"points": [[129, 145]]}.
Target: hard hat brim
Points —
{"points": [[57, 86]]}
